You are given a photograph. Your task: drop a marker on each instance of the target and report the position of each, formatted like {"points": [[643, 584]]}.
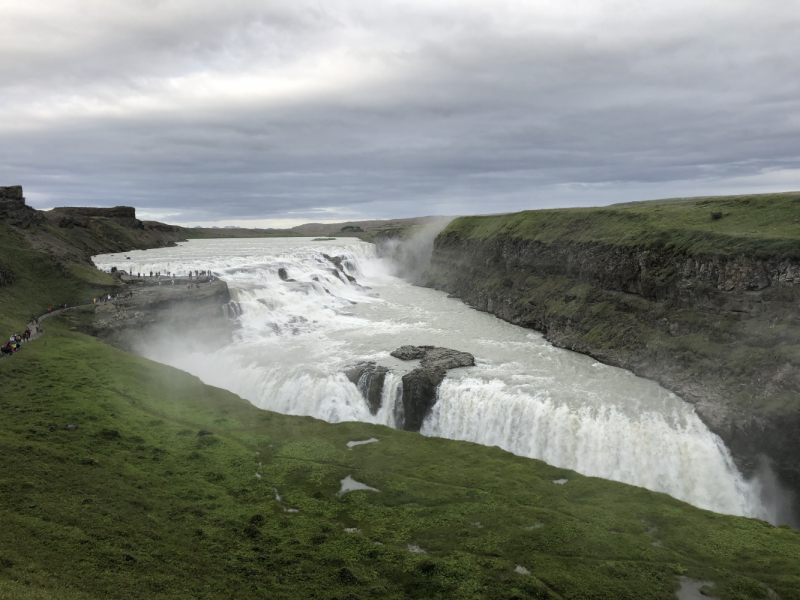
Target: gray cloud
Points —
{"points": [[199, 111]]}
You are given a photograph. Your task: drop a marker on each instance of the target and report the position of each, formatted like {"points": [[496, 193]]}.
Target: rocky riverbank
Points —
{"points": [[711, 316]]}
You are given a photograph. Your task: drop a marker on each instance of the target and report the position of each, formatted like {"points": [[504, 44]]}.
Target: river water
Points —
{"points": [[523, 395]]}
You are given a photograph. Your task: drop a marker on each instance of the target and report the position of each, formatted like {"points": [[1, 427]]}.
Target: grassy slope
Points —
{"points": [[39, 281], [765, 225], [136, 478]]}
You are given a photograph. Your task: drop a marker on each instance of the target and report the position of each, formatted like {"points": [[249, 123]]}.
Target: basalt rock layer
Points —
{"points": [[154, 312], [421, 384], [712, 316]]}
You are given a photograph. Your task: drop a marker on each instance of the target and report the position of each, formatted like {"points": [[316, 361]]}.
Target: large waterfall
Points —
{"points": [[307, 310]]}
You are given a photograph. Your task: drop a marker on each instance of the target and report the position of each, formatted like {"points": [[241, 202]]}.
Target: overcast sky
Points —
{"points": [[261, 112]]}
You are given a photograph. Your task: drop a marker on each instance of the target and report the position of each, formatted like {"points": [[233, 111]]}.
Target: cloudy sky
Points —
{"points": [[262, 112]]}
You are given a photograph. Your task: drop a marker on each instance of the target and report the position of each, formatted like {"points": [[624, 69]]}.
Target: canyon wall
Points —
{"points": [[714, 319]]}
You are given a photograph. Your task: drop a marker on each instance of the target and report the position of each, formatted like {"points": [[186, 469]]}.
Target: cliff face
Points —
{"points": [[13, 209], [156, 312], [720, 328]]}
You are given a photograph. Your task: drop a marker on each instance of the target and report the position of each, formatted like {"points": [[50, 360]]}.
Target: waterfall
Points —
{"points": [[311, 311], [673, 453]]}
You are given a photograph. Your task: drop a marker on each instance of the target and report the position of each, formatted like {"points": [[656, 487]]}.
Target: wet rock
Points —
{"points": [[410, 352], [338, 261], [420, 385], [368, 378], [283, 274]]}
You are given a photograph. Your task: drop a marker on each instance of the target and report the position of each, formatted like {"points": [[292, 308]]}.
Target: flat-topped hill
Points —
{"points": [[763, 225]]}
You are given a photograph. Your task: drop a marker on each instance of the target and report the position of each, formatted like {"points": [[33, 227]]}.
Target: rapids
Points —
{"points": [[523, 395]]}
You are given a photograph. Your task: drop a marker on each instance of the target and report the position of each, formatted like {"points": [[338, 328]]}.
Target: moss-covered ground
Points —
{"points": [[138, 503], [41, 279], [762, 225]]}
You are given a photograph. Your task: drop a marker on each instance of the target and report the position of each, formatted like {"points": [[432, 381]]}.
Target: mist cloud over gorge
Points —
{"points": [[202, 112]]}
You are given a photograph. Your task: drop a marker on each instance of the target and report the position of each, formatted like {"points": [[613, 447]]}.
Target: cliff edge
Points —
{"points": [[698, 294]]}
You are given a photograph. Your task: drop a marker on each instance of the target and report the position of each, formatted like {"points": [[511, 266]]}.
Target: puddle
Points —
{"points": [[477, 524], [354, 443], [560, 481], [352, 530], [277, 495], [534, 526], [657, 544], [291, 510], [690, 589], [258, 475], [414, 549], [522, 570], [351, 485]]}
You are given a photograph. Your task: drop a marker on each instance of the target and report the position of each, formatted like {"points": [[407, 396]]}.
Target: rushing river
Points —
{"points": [[523, 395]]}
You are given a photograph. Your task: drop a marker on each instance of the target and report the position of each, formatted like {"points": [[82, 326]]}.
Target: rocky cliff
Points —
{"points": [[153, 313], [13, 209], [701, 295]]}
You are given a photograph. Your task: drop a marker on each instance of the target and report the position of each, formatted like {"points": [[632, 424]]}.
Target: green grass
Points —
{"points": [[763, 225], [41, 280], [136, 479]]}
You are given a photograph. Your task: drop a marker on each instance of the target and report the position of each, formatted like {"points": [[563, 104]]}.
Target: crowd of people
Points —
{"points": [[14, 344]]}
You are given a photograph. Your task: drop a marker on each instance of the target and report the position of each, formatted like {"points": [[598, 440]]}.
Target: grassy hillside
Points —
{"points": [[138, 503], [40, 279], [763, 225]]}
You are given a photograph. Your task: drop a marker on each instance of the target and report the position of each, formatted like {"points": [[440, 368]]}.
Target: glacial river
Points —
{"points": [[523, 395]]}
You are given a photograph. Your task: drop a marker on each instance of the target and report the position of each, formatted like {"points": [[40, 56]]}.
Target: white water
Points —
{"points": [[523, 395]]}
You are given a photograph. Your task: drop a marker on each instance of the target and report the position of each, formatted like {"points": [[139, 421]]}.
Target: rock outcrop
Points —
{"points": [[80, 216], [421, 384], [340, 272], [13, 209], [166, 310], [369, 378]]}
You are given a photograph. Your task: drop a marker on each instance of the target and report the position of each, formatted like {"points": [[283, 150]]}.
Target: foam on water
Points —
{"points": [[523, 395]]}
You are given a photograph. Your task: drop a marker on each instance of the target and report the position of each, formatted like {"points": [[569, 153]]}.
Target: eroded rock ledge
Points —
{"points": [[419, 385], [164, 310]]}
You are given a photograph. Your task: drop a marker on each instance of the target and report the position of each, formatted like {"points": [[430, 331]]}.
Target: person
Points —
{"points": [[49, 309]]}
